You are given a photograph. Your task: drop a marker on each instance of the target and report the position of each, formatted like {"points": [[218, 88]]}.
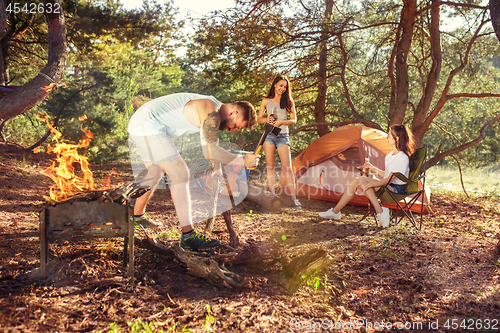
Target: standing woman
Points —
{"points": [[278, 105]]}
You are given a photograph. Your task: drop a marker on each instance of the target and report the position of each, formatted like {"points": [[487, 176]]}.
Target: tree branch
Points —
{"points": [[440, 155], [448, 97], [461, 176], [444, 94], [452, 4], [359, 118], [35, 91]]}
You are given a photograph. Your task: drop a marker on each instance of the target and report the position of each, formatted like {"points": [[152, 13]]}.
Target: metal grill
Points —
{"points": [[87, 220]]}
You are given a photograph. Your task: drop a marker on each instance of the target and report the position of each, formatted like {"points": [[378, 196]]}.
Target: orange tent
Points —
{"points": [[325, 168]]}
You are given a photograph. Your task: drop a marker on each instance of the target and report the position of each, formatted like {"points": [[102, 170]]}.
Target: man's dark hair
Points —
{"points": [[249, 113]]}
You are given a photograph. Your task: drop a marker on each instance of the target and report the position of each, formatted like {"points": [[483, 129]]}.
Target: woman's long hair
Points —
{"points": [[286, 98], [404, 140]]}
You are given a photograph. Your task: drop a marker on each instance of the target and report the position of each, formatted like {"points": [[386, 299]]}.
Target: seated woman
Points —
{"points": [[400, 139]]}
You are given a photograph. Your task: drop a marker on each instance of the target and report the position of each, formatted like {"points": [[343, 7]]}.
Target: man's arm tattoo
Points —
{"points": [[211, 127]]}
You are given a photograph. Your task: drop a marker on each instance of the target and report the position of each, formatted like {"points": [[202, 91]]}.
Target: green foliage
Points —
{"points": [[250, 215], [170, 234], [24, 45], [235, 54], [315, 282], [209, 319], [140, 327], [111, 73]]}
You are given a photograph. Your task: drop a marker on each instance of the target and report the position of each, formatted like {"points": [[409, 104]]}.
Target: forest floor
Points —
{"points": [[445, 277]]}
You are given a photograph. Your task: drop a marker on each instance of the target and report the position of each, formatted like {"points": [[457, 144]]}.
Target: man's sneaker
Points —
{"points": [[296, 204], [384, 217], [199, 242], [330, 215], [146, 221]]}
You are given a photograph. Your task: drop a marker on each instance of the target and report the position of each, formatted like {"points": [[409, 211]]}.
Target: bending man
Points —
{"points": [[151, 129]]}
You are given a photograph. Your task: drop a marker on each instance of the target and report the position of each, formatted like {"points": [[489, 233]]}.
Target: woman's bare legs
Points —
{"points": [[286, 164], [351, 191], [270, 151]]}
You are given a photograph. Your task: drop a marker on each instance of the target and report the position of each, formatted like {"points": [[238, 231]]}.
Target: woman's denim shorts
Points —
{"points": [[278, 141], [398, 188]]}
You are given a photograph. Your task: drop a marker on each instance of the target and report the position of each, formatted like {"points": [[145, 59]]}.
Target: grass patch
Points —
{"points": [[171, 234], [477, 181]]}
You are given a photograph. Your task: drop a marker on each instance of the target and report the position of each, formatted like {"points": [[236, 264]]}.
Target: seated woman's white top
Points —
{"points": [[397, 163]]}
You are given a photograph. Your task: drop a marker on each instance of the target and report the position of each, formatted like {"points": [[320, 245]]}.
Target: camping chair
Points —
{"points": [[411, 188]]}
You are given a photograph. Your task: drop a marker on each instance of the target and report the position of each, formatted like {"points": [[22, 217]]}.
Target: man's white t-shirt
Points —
{"points": [[397, 163]]}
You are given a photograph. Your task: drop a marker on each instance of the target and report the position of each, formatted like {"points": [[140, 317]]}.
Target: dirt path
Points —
{"points": [[412, 280]]}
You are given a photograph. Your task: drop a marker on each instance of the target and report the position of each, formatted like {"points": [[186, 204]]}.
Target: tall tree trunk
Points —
{"points": [[407, 22], [320, 105], [3, 64], [35, 91], [495, 16], [418, 125], [3, 26], [3, 18]]}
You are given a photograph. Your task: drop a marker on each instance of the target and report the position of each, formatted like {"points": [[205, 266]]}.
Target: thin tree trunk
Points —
{"points": [[495, 16], [433, 76], [3, 44], [3, 18], [320, 105], [408, 17]]}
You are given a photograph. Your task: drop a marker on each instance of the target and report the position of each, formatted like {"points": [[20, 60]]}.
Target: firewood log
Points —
{"points": [[264, 198], [127, 191]]}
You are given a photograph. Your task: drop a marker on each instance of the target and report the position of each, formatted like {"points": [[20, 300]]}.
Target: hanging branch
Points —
{"points": [[461, 177]]}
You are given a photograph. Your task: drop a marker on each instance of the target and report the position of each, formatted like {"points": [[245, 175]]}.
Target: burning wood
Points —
{"points": [[62, 170], [121, 194], [68, 186]]}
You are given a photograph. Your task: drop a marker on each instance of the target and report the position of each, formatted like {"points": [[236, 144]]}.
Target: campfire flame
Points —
{"points": [[62, 170]]}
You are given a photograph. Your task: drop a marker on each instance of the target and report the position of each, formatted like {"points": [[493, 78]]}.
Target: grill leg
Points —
{"points": [[43, 246], [130, 243]]}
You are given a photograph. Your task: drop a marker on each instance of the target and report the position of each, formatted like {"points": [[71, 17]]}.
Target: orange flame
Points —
{"points": [[62, 171], [106, 183], [48, 88]]}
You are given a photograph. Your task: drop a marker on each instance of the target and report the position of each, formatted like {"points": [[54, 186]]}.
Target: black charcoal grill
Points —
{"points": [[107, 215], [87, 220]]}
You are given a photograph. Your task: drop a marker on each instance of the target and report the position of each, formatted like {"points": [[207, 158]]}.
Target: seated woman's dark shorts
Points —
{"points": [[397, 188]]}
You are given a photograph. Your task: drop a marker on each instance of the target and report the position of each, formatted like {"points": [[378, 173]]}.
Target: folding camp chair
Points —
{"points": [[403, 209]]}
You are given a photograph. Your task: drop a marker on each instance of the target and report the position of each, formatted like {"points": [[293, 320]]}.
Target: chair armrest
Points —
{"points": [[400, 176], [420, 177]]}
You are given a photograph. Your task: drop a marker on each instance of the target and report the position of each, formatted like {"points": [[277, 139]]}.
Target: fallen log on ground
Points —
{"points": [[207, 268], [211, 266], [263, 198]]}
